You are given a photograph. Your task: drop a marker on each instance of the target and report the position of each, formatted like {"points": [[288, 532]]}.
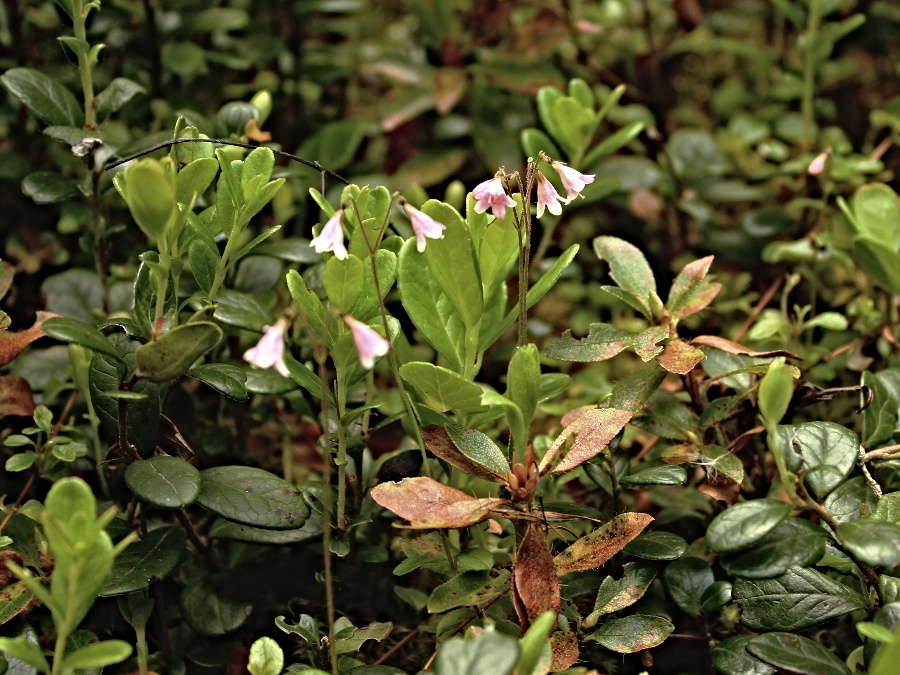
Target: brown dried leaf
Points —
{"points": [[691, 291], [593, 430], [425, 503], [438, 440], [596, 548], [534, 575], [730, 347], [723, 491], [565, 651], [15, 397], [13, 343], [679, 357]]}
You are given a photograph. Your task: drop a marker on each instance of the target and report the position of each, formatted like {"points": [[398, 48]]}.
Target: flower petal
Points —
{"points": [[369, 343], [331, 237]]}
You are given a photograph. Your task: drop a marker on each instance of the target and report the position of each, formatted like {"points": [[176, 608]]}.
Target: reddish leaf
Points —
{"points": [[593, 430], [646, 344], [425, 503], [730, 347], [15, 397], [602, 342], [679, 357], [535, 582], [691, 292], [13, 343], [596, 548], [565, 651]]}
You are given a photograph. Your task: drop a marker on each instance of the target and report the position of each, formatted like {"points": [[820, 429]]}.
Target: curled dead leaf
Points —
{"points": [[596, 548], [535, 582], [593, 430], [15, 397], [730, 347], [13, 343], [425, 503]]}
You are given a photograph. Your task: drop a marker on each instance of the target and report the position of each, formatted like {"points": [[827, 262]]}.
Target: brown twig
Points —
{"points": [[18, 502], [761, 304], [393, 650]]}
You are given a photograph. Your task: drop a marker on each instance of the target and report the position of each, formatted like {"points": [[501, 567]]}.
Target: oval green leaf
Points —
{"points": [[166, 482], [174, 352], [146, 562], [744, 524], [252, 496]]}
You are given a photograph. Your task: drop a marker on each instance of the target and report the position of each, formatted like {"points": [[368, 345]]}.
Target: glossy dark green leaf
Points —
{"points": [[830, 446], [311, 531], [742, 525], [796, 654], [657, 475], [114, 97], [716, 596], [657, 546], [49, 187], [46, 98], [873, 542], [633, 633], [243, 310], [166, 482], [146, 562], [268, 381], [798, 599], [634, 390], [793, 542], [441, 389], [851, 500], [142, 416], [731, 657], [74, 331], [253, 497], [210, 610], [224, 378], [687, 579], [171, 355]]}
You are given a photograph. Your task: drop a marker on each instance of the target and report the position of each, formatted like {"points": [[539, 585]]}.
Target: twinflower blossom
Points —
{"points": [[269, 351], [547, 197], [573, 181], [490, 194], [424, 226], [817, 166], [331, 237], [369, 344]]}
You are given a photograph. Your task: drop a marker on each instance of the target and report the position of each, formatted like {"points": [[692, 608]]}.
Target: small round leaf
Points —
{"points": [[166, 482]]}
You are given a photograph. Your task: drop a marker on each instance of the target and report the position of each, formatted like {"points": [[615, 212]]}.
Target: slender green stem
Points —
{"points": [[341, 401], [79, 17], [222, 265], [809, 71]]}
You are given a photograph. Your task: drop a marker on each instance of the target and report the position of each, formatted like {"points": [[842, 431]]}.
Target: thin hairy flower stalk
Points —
{"points": [[340, 396], [523, 228], [321, 355]]}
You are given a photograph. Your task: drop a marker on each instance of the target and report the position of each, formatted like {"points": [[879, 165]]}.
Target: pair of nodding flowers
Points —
{"points": [[269, 351]]}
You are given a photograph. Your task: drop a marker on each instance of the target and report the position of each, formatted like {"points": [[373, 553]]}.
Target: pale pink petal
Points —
{"points": [[573, 181], [269, 351], [424, 226], [490, 194], [817, 166], [369, 344], [547, 196], [331, 237]]}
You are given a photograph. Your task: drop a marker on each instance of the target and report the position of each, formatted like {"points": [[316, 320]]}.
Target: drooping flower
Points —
{"points": [[424, 226], [369, 344], [269, 351], [547, 197], [490, 194], [331, 237], [817, 166], [573, 181]]}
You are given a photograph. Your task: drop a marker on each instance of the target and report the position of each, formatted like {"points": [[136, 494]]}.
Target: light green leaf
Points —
{"points": [[442, 389]]}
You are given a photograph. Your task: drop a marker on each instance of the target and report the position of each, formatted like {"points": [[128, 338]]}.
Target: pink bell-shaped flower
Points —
{"points": [[573, 181], [269, 351], [369, 344], [490, 194], [423, 226], [547, 197], [331, 237]]}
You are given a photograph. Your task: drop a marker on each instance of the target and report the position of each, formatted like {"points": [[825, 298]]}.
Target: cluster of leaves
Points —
{"points": [[711, 478]]}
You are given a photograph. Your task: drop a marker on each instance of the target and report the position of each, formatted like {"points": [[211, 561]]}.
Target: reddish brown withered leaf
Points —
{"points": [[593, 430], [425, 503], [13, 343], [565, 651], [691, 291], [730, 347], [15, 397], [534, 575], [679, 357], [485, 460], [646, 344], [596, 548]]}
